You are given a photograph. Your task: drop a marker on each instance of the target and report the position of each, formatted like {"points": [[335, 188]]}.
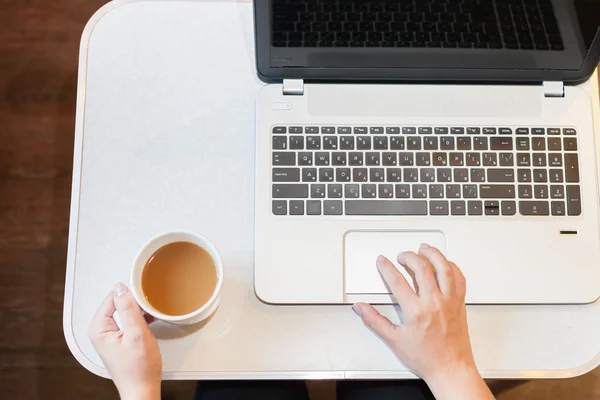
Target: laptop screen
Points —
{"points": [[445, 37]]}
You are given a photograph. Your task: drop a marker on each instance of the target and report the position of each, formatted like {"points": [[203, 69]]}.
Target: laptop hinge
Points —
{"points": [[293, 87], [554, 89]]}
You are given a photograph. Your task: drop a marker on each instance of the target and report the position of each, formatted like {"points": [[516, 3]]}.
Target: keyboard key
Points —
{"points": [[553, 131], [525, 192], [497, 191], [555, 160], [439, 208], [490, 159], [425, 131], [522, 131], [334, 191], [346, 143], [508, 207], [377, 175], [330, 143], [363, 142], [523, 144], [507, 160], [392, 130], [397, 143], [475, 207], [570, 143], [538, 144], [458, 207], [540, 175], [413, 143], [328, 130], [402, 191], [477, 175], [492, 207], [419, 191], [409, 130], [373, 159], [394, 175], [457, 131], [360, 175], [427, 175], [457, 159], [569, 131], [386, 207], [540, 208], [436, 191], [444, 175], [523, 159], [309, 174], [573, 200], [332, 207], [386, 191], [326, 175], [313, 143], [505, 131], [344, 130], [423, 159], [473, 131], [461, 175], [489, 131], [295, 129], [356, 159], [501, 143], [376, 130], [473, 159], [360, 130], [339, 159], [557, 191], [439, 159], [369, 191], [317, 191], [447, 143], [279, 207], [538, 131], [411, 175], [342, 174], [322, 158], [406, 159], [524, 175], [286, 175], [279, 142], [280, 129], [540, 191], [305, 158], [296, 142], [572, 167], [558, 208], [539, 159], [463, 143], [284, 159], [554, 144], [453, 191], [352, 191], [312, 129], [480, 143], [556, 176], [501, 175], [296, 207], [380, 143], [291, 191], [441, 131]]}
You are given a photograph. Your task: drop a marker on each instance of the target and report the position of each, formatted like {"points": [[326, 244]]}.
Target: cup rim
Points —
{"points": [[214, 253]]}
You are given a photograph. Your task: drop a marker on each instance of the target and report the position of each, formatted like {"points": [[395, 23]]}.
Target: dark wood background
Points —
{"points": [[39, 42]]}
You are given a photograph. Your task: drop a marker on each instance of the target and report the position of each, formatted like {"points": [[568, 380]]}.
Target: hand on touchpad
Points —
{"points": [[362, 248]]}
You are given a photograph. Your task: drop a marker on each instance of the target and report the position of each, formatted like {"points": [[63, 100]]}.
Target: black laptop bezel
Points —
{"points": [[267, 73]]}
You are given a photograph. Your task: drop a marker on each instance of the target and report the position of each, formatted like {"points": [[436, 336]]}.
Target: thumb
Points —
{"points": [[380, 325], [130, 315]]}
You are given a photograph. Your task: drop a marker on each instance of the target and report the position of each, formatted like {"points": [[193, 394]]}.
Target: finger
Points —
{"points": [[423, 271], [102, 321], [380, 325], [398, 284], [460, 282], [129, 312], [149, 318], [443, 270]]}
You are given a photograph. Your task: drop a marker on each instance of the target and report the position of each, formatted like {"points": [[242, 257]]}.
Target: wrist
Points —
{"points": [[461, 381], [147, 392]]}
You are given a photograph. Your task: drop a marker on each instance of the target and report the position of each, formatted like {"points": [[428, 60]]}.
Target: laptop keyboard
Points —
{"points": [[410, 170], [502, 24]]}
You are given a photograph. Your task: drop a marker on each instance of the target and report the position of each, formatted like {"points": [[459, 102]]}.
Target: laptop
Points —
{"points": [[458, 123]]}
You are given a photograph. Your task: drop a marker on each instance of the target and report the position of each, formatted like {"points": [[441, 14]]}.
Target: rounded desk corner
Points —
{"points": [[76, 350]]}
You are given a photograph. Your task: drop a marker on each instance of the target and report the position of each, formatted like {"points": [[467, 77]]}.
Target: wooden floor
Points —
{"points": [[39, 42]]}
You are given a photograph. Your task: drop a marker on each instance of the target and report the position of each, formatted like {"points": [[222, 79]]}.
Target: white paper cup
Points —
{"points": [[149, 249]]}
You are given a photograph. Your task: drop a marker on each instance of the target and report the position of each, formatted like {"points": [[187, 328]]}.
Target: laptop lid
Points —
{"points": [[432, 40]]}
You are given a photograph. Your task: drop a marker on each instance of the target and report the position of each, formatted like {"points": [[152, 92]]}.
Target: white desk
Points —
{"points": [[164, 141]]}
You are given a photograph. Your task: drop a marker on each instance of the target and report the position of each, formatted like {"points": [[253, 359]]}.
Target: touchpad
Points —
{"points": [[361, 249]]}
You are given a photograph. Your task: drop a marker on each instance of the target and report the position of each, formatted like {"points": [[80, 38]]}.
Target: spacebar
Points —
{"points": [[386, 207]]}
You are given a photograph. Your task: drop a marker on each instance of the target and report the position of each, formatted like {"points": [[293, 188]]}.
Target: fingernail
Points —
{"points": [[380, 259], [425, 246], [120, 289], [356, 308]]}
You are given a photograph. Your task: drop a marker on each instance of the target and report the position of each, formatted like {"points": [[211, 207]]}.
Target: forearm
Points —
{"points": [[460, 384], [147, 393]]}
